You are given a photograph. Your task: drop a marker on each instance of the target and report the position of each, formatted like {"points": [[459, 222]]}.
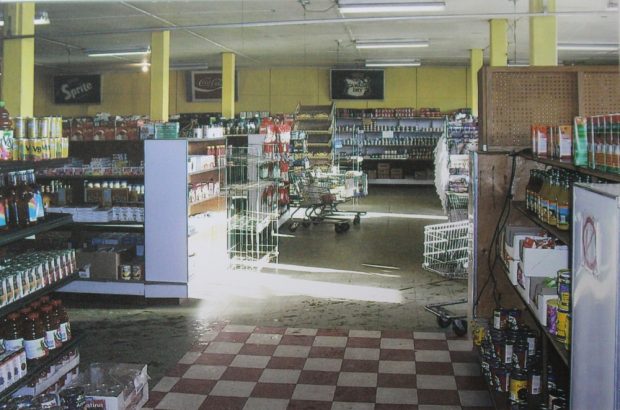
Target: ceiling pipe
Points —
{"points": [[449, 17]]}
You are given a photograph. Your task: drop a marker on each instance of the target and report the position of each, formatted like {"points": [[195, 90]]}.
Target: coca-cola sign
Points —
{"points": [[204, 86]]}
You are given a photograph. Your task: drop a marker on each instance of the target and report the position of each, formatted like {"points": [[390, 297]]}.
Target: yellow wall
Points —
{"points": [[277, 90]]}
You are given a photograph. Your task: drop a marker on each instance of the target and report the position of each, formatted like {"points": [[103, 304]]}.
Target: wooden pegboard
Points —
{"points": [[599, 93], [512, 99]]}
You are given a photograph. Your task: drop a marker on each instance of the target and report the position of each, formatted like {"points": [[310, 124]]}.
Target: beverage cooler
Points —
{"points": [[595, 345]]}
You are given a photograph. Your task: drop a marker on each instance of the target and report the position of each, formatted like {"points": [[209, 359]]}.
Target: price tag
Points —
{"points": [[387, 134]]}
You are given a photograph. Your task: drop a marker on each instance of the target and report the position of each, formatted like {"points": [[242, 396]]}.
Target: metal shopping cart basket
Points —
{"points": [[446, 248], [318, 195], [457, 206]]}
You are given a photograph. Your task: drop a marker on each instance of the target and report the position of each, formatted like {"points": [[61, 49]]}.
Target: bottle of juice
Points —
{"points": [[529, 190], [34, 337], [38, 213], [4, 220], [11, 198], [564, 214], [543, 202], [24, 195], [552, 205]]}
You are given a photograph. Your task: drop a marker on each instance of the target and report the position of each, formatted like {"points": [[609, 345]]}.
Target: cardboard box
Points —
{"points": [[383, 166], [513, 235], [512, 267], [543, 262], [103, 262], [372, 174], [383, 174], [396, 173]]}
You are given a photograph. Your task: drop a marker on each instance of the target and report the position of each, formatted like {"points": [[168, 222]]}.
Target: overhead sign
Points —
{"points": [[357, 84], [77, 89], [205, 86]]}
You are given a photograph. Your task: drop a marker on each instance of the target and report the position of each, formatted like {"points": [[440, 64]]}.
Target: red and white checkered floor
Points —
{"points": [[248, 367]]}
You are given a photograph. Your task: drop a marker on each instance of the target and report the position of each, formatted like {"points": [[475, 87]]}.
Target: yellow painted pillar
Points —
{"points": [[160, 75], [475, 64], [228, 85], [498, 55], [18, 59], [543, 35]]}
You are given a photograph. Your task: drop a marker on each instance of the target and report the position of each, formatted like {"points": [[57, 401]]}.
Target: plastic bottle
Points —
{"points": [[50, 325], [34, 337], [4, 220], [64, 327], [13, 337], [5, 118]]}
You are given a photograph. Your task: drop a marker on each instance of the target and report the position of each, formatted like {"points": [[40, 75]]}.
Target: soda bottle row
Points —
{"points": [[21, 202], [38, 328]]}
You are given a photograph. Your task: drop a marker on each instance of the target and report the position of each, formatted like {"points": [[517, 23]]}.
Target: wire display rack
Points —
{"points": [[252, 219], [446, 249]]}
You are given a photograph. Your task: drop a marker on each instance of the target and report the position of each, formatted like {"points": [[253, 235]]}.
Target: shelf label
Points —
{"points": [[387, 134]]}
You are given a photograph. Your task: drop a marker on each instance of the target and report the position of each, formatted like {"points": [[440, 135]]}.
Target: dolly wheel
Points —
{"points": [[460, 327], [442, 322], [341, 227], [356, 220], [345, 227], [293, 226], [305, 224]]}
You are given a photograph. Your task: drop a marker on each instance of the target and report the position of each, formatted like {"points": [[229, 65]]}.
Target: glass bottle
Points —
{"points": [[11, 198], [4, 220], [552, 210], [34, 337], [13, 337], [564, 214], [50, 325], [543, 198], [64, 327], [24, 195], [37, 200], [529, 190]]}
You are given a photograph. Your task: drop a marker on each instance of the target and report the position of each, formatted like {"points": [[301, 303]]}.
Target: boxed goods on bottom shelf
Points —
{"points": [[53, 378]]}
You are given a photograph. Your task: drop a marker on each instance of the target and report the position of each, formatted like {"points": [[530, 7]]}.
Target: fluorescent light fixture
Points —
{"points": [[361, 44], [376, 6], [588, 46], [189, 66], [393, 63], [115, 53], [42, 19]]}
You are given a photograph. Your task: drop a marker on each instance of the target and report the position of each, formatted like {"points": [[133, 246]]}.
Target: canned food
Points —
{"points": [[20, 127], [531, 343], [44, 127], [499, 319], [552, 315], [33, 128], [125, 271], [568, 330], [518, 386], [564, 286], [562, 324], [513, 317], [136, 272]]}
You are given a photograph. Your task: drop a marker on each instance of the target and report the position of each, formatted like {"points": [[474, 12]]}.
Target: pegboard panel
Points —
{"points": [[518, 99], [599, 93]]}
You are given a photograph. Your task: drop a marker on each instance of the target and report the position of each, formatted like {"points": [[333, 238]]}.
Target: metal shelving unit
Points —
{"points": [[570, 166], [51, 221], [9, 166]]}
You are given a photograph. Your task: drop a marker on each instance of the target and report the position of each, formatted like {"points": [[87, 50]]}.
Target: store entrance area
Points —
{"points": [[369, 278]]}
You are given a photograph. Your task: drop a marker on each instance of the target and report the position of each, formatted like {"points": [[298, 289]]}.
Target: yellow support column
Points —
{"points": [[228, 85], [543, 34], [160, 75], [18, 59], [498, 55], [475, 64]]}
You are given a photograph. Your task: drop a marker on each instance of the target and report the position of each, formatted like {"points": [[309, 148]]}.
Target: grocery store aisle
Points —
{"points": [[369, 278]]}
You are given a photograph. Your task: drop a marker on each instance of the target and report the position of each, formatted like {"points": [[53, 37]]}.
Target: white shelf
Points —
{"points": [[401, 182], [105, 287]]}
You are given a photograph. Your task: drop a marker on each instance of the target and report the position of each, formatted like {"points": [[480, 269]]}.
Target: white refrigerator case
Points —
{"points": [[595, 342]]}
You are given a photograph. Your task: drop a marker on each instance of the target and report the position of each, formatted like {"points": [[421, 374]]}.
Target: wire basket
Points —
{"points": [[446, 249], [457, 206]]}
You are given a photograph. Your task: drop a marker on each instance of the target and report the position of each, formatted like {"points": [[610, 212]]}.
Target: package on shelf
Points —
{"points": [[541, 291], [61, 373], [114, 386], [127, 214], [128, 127], [102, 263], [13, 367], [203, 191], [161, 130], [82, 129], [542, 261], [513, 235], [200, 162]]}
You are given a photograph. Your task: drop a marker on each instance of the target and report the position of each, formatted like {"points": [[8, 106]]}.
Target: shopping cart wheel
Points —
{"points": [[306, 224], [356, 220], [341, 227], [293, 226], [460, 327], [443, 322]]}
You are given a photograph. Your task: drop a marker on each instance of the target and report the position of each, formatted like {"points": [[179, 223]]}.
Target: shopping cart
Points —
{"points": [[446, 252], [318, 195], [457, 206]]}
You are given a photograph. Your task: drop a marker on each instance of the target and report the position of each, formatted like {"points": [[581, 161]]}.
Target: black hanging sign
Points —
{"points": [[77, 89], [357, 84]]}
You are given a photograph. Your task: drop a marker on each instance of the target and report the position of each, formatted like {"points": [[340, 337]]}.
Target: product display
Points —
{"points": [[597, 142]]}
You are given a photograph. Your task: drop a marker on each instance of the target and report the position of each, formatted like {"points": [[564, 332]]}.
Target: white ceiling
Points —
{"points": [[269, 33]]}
